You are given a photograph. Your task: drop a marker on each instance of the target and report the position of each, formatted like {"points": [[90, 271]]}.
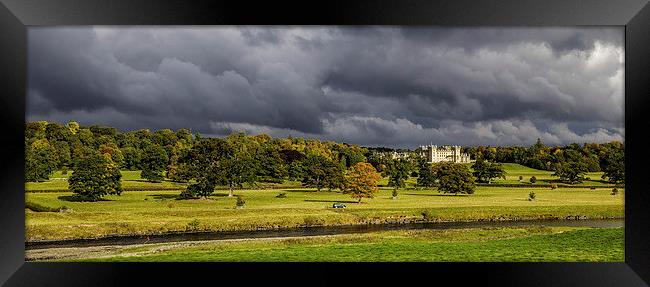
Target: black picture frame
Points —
{"points": [[16, 15]]}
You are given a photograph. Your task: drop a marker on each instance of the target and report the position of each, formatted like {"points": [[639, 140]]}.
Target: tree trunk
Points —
{"points": [[230, 194]]}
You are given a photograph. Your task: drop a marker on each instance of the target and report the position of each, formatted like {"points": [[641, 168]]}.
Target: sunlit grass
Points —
{"points": [[532, 244], [147, 212]]}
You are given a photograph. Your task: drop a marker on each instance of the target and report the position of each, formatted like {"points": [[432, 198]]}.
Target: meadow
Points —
{"points": [[521, 244], [543, 177], [159, 212]]}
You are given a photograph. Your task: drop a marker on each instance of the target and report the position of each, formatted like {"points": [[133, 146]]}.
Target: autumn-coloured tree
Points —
{"points": [[361, 181]]}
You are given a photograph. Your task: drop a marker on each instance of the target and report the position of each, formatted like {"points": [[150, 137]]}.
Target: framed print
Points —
{"points": [[339, 142]]}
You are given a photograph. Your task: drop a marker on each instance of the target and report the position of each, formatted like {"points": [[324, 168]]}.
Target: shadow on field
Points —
{"points": [[335, 201], [302, 190], [144, 180], [436, 194], [76, 198], [164, 196]]}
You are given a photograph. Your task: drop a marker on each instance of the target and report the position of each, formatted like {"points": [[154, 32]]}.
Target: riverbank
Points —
{"points": [[305, 231]]}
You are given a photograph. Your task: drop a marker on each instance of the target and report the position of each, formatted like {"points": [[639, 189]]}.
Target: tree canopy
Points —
{"points": [[454, 178], [95, 175], [361, 181], [485, 171]]}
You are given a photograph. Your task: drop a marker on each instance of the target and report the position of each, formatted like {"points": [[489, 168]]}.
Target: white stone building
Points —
{"points": [[434, 153], [399, 155]]}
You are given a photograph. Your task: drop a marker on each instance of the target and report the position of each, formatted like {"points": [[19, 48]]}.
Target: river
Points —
{"points": [[312, 231]]}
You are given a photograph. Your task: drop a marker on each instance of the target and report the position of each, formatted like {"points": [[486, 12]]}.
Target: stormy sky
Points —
{"points": [[374, 86]]}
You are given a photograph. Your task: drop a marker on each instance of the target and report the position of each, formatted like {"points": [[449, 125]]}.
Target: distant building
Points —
{"points": [[399, 155], [434, 153]]}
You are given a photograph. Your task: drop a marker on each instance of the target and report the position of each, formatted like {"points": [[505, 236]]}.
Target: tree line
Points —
{"points": [[96, 154], [569, 162]]}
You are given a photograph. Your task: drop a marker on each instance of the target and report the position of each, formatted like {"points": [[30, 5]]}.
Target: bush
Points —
{"points": [[614, 191], [240, 201], [427, 215], [281, 195], [313, 220], [394, 192], [531, 196], [41, 208], [553, 186], [533, 179], [521, 178], [193, 225], [64, 170]]}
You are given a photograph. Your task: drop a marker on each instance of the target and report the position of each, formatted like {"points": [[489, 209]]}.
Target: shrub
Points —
{"points": [[533, 179], [427, 215], [240, 201], [41, 208], [531, 196], [614, 191], [394, 192], [313, 220], [553, 186], [521, 178], [281, 195], [193, 225], [64, 170]]}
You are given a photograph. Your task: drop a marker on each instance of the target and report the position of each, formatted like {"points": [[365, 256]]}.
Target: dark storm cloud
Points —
{"points": [[367, 85]]}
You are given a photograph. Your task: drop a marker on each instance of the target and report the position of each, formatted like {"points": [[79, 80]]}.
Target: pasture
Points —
{"points": [[155, 212], [53, 214], [522, 244]]}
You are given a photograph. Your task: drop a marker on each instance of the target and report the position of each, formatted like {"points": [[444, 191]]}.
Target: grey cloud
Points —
{"points": [[368, 85]]}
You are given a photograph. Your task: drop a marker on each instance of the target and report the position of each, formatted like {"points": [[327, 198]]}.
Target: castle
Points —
{"points": [[434, 153]]}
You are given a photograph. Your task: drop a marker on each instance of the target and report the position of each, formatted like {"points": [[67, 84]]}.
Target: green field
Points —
{"points": [[531, 244], [131, 179], [153, 212], [156, 212], [159, 211], [513, 171]]}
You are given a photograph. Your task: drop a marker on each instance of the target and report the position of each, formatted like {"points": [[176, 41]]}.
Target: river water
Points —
{"points": [[313, 231]]}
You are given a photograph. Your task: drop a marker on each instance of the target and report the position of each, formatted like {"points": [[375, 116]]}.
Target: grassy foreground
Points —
{"points": [[154, 212], [532, 244]]}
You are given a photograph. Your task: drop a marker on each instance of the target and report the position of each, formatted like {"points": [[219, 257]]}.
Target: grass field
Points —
{"points": [[55, 215], [532, 244], [513, 171], [130, 179], [153, 212]]}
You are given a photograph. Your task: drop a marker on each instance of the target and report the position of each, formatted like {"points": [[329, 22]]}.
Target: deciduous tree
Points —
{"points": [[454, 178], [40, 160], [361, 181], [95, 175], [485, 171], [614, 166], [398, 172], [153, 163]]}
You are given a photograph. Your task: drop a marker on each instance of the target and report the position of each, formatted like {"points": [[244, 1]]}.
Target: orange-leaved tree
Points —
{"points": [[361, 181]]}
